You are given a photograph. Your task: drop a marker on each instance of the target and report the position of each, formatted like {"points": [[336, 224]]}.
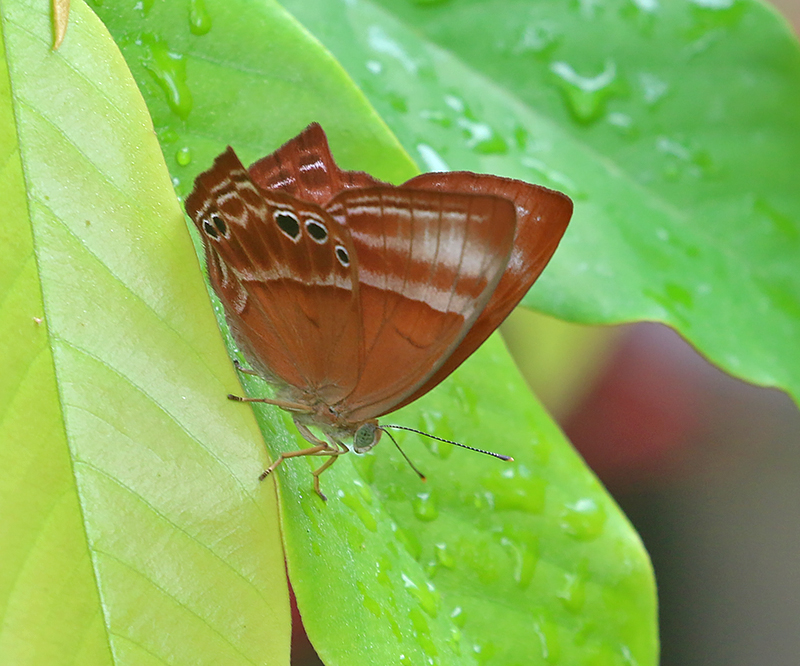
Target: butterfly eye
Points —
{"points": [[210, 229], [288, 223], [219, 223], [342, 256], [366, 437], [317, 231]]}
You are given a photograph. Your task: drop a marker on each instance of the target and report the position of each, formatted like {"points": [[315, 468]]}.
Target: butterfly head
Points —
{"points": [[366, 437]]}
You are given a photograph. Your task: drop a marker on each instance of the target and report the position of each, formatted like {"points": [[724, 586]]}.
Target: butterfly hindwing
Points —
{"points": [[541, 220], [428, 263], [305, 168]]}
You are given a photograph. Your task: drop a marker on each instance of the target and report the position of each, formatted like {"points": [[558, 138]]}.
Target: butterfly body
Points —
{"points": [[354, 297]]}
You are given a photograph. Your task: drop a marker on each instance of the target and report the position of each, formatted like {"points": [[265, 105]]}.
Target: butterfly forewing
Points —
{"points": [[305, 168], [284, 270], [427, 265]]}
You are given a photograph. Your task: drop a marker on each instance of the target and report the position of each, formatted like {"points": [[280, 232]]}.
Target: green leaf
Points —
{"points": [[390, 570], [253, 80], [672, 124], [133, 528]]}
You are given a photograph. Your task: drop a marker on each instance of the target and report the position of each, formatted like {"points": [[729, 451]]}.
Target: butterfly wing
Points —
{"points": [[542, 216], [282, 269], [305, 168], [428, 263]]}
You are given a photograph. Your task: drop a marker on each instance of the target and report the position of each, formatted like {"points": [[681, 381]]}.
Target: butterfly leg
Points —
{"points": [[311, 451], [243, 370], [320, 470]]}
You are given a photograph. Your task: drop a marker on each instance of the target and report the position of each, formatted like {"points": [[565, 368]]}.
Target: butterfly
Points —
{"points": [[354, 297]]}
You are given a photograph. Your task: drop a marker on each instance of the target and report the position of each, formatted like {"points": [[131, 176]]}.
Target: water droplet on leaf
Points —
{"points": [[183, 156], [584, 520], [425, 507], [169, 71], [585, 96], [199, 18]]}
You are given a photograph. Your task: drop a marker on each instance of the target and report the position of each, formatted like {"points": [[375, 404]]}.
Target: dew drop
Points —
{"points": [[425, 507], [537, 39], [369, 603], [169, 71], [648, 6], [653, 88], [397, 102], [584, 520], [484, 651], [465, 396], [384, 567], [514, 489], [199, 18], [682, 160], [168, 136], [443, 556], [480, 501], [523, 549], [712, 16], [458, 617], [588, 8], [623, 124], [395, 627], [380, 42], [436, 423], [548, 641], [183, 156], [573, 590], [409, 541], [144, 6], [585, 96], [553, 178], [422, 632], [436, 117], [426, 594], [364, 491], [454, 640], [455, 103], [642, 13], [482, 138], [431, 159], [354, 502]]}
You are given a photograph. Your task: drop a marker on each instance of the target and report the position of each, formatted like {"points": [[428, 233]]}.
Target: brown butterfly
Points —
{"points": [[355, 297]]}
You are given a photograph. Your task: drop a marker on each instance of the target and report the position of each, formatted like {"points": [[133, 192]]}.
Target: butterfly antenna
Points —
{"points": [[448, 441], [408, 460]]}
